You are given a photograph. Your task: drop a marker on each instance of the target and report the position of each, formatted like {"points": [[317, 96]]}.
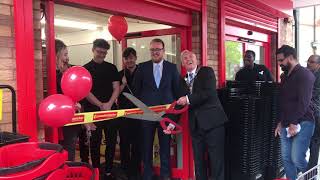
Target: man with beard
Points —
{"points": [[251, 71], [314, 67], [156, 82], [296, 122]]}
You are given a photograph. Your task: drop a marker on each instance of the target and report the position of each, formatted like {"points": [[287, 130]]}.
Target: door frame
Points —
{"points": [[264, 45], [233, 33], [185, 42]]}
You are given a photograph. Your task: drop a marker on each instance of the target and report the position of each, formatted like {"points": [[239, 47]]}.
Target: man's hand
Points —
{"points": [[277, 130], [105, 106], [182, 101], [170, 127], [293, 130], [124, 80]]}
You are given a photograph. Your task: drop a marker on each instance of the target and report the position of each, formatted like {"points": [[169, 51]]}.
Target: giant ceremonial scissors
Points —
{"points": [[150, 115]]}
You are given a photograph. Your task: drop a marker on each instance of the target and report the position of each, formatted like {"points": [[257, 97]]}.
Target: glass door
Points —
{"points": [[235, 48], [175, 41]]}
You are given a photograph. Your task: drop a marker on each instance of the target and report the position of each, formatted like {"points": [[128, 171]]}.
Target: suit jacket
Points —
{"points": [[205, 109], [145, 88]]}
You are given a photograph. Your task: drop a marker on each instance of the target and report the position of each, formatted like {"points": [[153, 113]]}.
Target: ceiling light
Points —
{"points": [[72, 24]]}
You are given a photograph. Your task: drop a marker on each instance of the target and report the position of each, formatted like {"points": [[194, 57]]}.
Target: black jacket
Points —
{"points": [[205, 109]]}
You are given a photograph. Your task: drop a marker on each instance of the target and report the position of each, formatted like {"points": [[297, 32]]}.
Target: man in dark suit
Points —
{"points": [[156, 82], [206, 117]]}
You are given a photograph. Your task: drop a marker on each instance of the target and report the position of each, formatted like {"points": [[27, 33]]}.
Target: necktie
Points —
{"points": [[191, 76], [157, 75]]}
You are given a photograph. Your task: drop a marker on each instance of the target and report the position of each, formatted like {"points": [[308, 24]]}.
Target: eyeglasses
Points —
{"points": [[156, 50]]}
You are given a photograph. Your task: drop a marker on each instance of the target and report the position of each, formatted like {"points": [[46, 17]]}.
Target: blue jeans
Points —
{"points": [[293, 149]]}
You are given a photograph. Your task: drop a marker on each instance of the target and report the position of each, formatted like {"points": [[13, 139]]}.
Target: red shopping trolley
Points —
{"points": [[41, 161], [75, 171], [30, 160]]}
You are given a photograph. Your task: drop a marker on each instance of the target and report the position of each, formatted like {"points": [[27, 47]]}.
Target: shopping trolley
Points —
{"points": [[31, 160], [311, 174], [74, 171]]}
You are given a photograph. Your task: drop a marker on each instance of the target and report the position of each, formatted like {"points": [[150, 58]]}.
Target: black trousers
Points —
{"points": [[148, 132], [314, 145], [83, 145], [212, 139], [110, 131], [70, 136], [130, 147]]}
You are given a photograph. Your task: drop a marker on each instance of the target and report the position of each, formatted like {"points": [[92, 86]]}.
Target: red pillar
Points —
{"points": [[221, 37], [51, 134], [26, 86]]}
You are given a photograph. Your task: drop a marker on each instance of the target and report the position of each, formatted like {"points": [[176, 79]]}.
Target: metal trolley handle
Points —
{"points": [[13, 102]]}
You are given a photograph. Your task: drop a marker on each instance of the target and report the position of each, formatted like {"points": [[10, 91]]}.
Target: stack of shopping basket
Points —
{"points": [[252, 152]]}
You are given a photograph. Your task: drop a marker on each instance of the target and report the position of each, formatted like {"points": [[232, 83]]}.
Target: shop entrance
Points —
{"points": [[235, 49], [239, 40], [93, 25]]}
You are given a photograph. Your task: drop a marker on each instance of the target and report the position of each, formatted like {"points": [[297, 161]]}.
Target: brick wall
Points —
{"points": [[38, 59], [212, 16], [212, 36], [7, 56]]}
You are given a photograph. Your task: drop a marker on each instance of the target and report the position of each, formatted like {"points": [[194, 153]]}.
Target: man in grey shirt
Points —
{"points": [[314, 66]]}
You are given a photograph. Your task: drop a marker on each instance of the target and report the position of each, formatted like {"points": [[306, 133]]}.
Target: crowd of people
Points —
{"points": [[157, 81]]}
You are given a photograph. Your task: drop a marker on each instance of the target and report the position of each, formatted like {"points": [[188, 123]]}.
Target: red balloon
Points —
{"points": [[76, 83], [56, 110], [118, 27]]}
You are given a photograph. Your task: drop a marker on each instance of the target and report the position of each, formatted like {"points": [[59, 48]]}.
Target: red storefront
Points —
{"points": [[253, 22]]}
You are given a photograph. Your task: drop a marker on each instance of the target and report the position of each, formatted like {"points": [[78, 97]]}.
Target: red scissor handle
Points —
{"points": [[171, 109], [177, 129]]}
